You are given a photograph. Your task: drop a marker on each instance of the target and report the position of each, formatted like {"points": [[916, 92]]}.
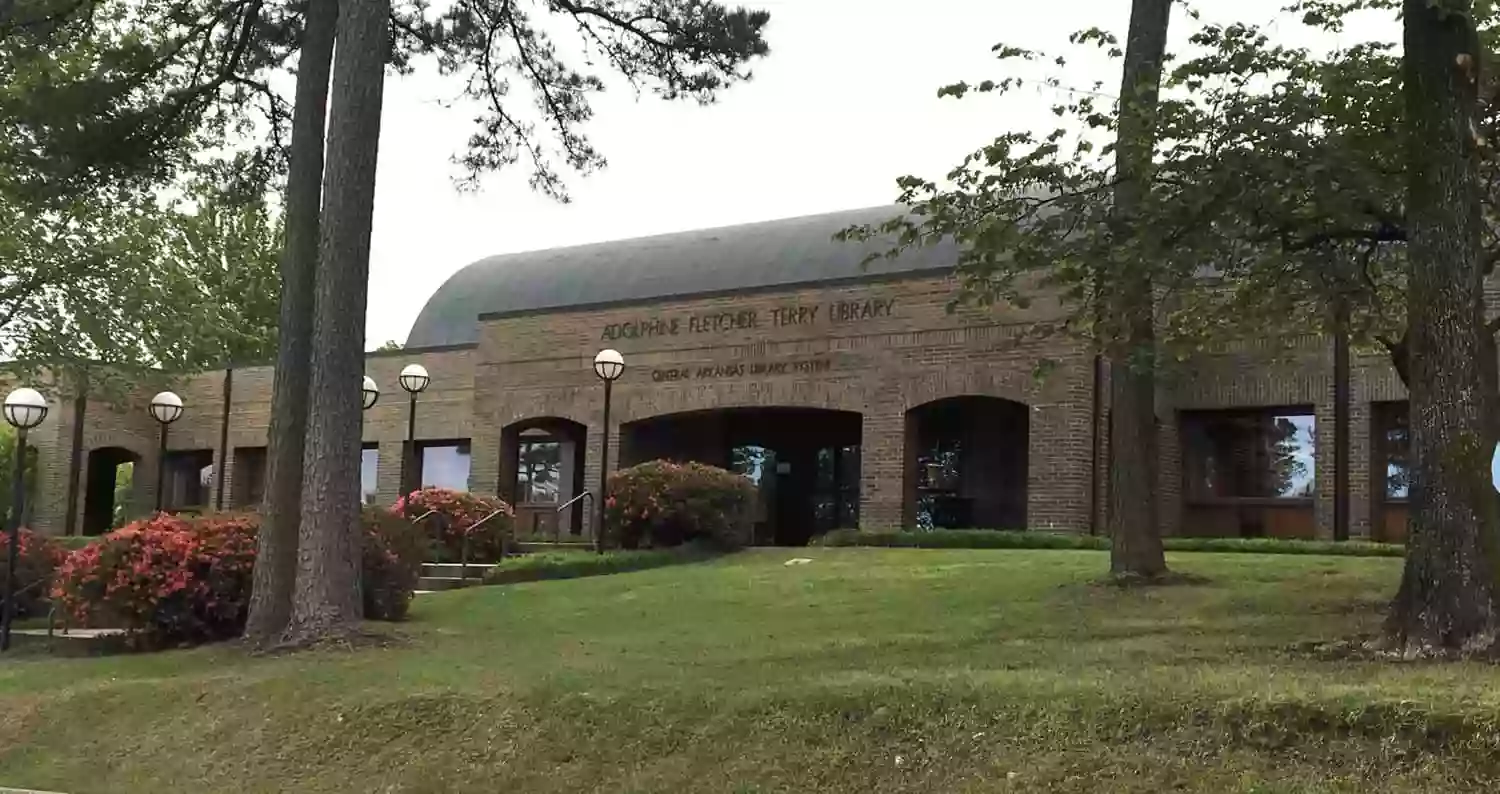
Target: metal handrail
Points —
{"points": [[586, 494], [463, 557], [574, 500]]}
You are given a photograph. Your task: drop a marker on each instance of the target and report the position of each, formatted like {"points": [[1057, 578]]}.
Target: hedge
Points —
{"points": [[1011, 539]]}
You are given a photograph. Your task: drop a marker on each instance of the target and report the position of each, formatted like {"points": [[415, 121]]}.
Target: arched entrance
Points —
{"points": [[111, 493], [805, 461], [541, 468], [966, 463]]}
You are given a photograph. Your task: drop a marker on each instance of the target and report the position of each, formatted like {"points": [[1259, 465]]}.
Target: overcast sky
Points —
{"points": [[845, 103]]}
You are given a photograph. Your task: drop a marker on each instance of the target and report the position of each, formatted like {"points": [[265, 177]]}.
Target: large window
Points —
{"points": [[539, 469], [190, 479], [836, 501], [444, 464], [369, 473], [249, 476], [1392, 446], [1255, 454]]}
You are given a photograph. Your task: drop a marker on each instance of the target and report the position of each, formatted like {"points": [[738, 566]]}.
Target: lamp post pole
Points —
{"points": [[414, 379], [24, 409], [603, 468], [609, 365], [166, 408]]}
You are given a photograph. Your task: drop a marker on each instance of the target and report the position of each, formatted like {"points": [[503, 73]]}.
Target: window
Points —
{"points": [[539, 469], [444, 465], [1254, 454], [1393, 443], [249, 476], [190, 477], [369, 472], [836, 501]]}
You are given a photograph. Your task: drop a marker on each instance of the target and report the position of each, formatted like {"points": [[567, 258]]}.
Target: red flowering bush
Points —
{"points": [[660, 504], [175, 579], [456, 515], [36, 563], [393, 551]]}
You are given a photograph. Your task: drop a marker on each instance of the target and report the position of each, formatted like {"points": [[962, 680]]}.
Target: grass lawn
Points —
{"points": [[867, 670]]}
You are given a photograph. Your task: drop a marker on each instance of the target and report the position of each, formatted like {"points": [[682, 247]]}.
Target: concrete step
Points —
{"points": [[436, 583], [454, 570], [541, 545]]}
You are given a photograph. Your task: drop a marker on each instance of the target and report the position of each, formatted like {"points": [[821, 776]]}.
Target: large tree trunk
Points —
{"points": [[1447, 599], [276, 557], [328, 597], [1135, 548]]}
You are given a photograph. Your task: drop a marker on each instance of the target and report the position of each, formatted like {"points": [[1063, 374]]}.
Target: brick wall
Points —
{"points": [[905, 350]]}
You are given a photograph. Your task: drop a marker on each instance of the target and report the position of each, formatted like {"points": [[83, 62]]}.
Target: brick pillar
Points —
{"points": [[1323, 468], [883, 464], [1169, 473], [1361, 463], [484, 462], [223, 467], [591, 468], [53, 439], [1057, 483], [388, 472]]}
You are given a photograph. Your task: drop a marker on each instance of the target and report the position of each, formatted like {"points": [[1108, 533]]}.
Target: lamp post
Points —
{"points": [[370, 392], [414, 379], [609, 365], [166, 408], [24, 409]]}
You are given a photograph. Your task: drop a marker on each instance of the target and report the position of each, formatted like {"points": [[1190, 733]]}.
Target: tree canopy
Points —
{"points": [[1279, 188]]}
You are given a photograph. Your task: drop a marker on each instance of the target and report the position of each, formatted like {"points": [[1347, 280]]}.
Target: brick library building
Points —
{"points": [[850, 394]]}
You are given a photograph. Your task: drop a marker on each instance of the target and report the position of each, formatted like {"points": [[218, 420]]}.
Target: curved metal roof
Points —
{"points": [[780, 253]]}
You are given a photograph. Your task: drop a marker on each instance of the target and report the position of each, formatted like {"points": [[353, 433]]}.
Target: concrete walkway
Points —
{"points": [[74, 634]]}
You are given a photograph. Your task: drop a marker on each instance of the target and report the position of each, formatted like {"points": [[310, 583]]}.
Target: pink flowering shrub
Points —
{"points": [[175, 579], [458, 514], [36, 564], [661, 504]]}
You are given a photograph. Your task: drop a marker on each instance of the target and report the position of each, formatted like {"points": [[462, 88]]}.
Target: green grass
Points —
{"points": [[866, 670], [1013, 539], [576, 564]]}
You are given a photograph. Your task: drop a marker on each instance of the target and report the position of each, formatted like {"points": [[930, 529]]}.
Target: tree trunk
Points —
{"points": [[276, 555], [328, 597], [1447, 599], [1135, 547]]}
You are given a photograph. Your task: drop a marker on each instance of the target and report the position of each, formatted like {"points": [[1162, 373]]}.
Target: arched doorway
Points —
{"points": [[110, 498], [805, 461], [541, 469], [966, 463]]}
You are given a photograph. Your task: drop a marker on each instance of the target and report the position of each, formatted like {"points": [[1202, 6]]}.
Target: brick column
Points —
{"points": [[388, 472], [1361, 452], [1323, 468], [1169, 473], [484, 462], [591, 469], [882, 478], [1060, 450]]}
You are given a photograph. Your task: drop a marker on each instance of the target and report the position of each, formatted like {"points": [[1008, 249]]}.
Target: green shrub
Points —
{"points": [[546, 565], [660, 504], [456, 517], [37, 558], [169, 579], [1010, 539]]}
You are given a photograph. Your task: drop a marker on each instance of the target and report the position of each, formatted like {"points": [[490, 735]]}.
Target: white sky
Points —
{"points": [[845, 103]]}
